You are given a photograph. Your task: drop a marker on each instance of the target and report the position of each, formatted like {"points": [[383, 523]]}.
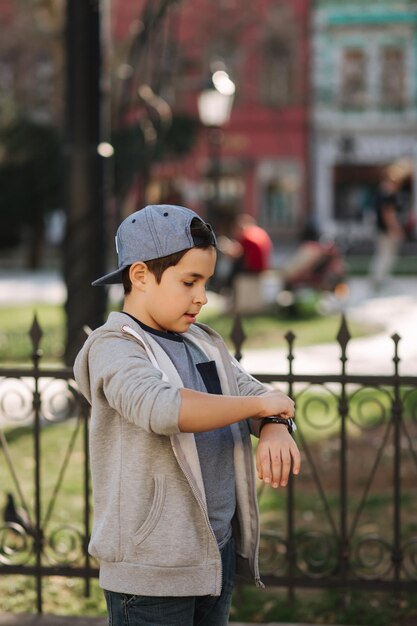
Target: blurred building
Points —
{"points": [[365, 107], [31, 62], [31, 118], [286, 154], [263, 151]]}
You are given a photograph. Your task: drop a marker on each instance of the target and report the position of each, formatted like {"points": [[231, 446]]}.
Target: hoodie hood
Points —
{"points": [[114, 326]]}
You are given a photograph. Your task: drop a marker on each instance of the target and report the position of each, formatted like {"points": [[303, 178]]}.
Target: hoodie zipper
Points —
{"points": [[201, 505], [253, 559]]}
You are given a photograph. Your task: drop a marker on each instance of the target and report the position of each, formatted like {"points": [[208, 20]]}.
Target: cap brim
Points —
{"points": [[114, 278]]}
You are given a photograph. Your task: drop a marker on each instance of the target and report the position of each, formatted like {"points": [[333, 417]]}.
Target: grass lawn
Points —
{"points": [[15, 324], [65, 596], [268, 331], [262, 331]]}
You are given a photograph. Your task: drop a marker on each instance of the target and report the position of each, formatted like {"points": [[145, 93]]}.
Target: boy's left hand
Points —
{"points": [[275, 454]]}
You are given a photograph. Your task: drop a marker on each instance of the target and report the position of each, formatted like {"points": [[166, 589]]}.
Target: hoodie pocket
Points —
{"points": [[174, 533], [155, 511]]}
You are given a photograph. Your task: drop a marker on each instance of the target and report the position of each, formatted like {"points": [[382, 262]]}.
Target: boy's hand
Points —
{"points": [[276, 403], [276, 452]]}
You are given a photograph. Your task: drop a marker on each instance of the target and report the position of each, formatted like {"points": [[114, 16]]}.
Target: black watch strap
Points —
{"points": [[289, 423]]}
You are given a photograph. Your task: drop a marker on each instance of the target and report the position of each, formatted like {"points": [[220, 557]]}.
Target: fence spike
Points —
{"points": [[343, 336], [237, 335], [396, 338], [396, 359], [35, 334], [290, 337]]}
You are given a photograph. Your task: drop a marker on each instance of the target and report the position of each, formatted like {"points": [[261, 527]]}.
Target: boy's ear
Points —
{"points": [[138, 274]]}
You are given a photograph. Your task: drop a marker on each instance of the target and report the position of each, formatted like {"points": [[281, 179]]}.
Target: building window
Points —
{"points": [[277, 72], [353, 87], [281, 199], [392, 85], [279, 205]]}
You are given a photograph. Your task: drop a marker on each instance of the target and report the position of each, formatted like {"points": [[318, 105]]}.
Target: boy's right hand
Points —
{"points": [[276, 403]]}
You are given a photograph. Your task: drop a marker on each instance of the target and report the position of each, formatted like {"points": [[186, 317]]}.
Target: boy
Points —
{"points": [[171, 458]]}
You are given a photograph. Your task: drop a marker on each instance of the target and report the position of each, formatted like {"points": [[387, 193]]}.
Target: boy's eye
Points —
{"points": [[188, 284]]}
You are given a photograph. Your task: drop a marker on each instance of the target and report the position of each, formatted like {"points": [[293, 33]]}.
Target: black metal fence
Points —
{"points": [[349, 520]]}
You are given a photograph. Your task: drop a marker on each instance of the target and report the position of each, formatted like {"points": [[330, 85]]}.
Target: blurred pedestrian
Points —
{"points": [[390, 232], [317, 264], [249, 249]]}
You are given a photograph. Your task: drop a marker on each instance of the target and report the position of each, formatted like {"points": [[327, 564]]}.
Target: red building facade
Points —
{"points": [[263, 152]]}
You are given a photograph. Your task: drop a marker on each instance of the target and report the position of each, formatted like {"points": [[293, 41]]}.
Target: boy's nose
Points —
{"points": [[201, 297]]}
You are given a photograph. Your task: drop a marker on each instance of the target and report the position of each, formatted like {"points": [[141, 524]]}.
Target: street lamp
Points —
{"points": [[214, 108]]}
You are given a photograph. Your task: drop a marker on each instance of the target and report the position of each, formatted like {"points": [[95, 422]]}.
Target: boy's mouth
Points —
{"points": [[191, 316]]}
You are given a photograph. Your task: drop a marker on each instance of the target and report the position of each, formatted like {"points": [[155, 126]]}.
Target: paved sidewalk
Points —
{"points": [[23, 619], [19, 287], [371, 354], [393, 310]]}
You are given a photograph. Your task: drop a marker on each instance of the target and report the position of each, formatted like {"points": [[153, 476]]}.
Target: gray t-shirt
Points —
{"points": [[215, 447]]}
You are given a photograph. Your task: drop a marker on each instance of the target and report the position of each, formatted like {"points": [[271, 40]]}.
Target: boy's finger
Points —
{"points": [[258, 468], [286, 467], [264, 463], [276, 463], [296, 460]]}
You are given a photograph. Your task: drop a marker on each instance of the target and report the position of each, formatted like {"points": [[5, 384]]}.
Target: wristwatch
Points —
{"points": [[289, 423]]}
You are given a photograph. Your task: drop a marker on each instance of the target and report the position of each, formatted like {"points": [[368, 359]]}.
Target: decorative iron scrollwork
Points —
{"points": [[16, 396], [318, 408], [64, 545], [410, 559], [317, 554], [59, 401], [371, 557], [272, 553], [16, 545], [369, 410]]}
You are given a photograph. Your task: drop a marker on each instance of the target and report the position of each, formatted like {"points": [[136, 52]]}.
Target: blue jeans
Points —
{"points": [[130, 610]]}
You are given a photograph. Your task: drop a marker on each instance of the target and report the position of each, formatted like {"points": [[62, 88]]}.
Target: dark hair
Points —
{"points": [[203, 237]]}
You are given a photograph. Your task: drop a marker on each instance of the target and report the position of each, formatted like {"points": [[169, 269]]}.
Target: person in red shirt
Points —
{"points": [[250, 250], [255, 243]]}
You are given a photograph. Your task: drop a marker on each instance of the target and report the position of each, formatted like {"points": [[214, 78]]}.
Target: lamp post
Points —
{"points": [[214, 108], [85, 197]]}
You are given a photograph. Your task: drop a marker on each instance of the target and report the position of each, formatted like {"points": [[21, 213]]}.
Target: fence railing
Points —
{"points": [[347, 521]]}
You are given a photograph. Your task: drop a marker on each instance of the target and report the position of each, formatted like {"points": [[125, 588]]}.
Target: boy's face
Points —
{"points": [[175, 302]]}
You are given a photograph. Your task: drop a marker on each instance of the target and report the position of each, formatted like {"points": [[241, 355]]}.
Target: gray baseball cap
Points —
{"points": [[151, 233]]}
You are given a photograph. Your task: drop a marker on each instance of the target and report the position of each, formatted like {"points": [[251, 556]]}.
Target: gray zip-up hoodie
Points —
{"points": [[151, 532]]}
